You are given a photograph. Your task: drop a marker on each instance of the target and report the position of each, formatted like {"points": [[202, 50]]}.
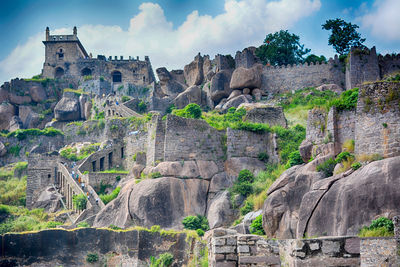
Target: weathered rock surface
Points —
{"points": [[15, 124], [29, 118], [3, 149], [331, 87], [170, 82], [194, 71], [354, 201], [246, 78], [219, 87], [68, 108], [37, 93], [305, 149], [19, 100], [220, 182], [162, 201], [49, 200], [281, 208], [236, 102], [7, 111], [193, 94], [220, 212]]}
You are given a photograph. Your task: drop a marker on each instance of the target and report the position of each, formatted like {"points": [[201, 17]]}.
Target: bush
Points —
{"points": [[289, 140], [379, 227], [343, 156], [79, 201], [356, 165], [164, 260], [247, 207], [295, 158], [263, 156], [114, 227], [327, 167], [245, 189], [196, 222], [245, 176], [53, 224], [256, 226], [107, 198], [92, 257], [200, 232], [141, 107], [190, 111], [125, 98], [346, 101]]}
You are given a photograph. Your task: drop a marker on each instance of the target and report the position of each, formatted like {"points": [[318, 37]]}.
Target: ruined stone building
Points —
{"points": [[65, 57]]}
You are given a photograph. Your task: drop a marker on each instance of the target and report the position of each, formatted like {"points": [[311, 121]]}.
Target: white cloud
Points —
{"points": [[241, 24], [384, 20]]}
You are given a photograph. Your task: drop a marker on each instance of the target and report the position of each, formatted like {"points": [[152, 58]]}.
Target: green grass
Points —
{"points": [[71, 153], [76, 91], [115, 170], [22, 134], [107, 198]]}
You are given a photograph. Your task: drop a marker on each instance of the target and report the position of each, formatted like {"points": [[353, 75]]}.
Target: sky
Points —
{"points": [[172, 32]]}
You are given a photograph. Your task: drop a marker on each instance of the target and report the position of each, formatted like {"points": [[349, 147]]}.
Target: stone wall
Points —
{"points": [[41, 173], [95, 179], [249, 144], [377, 121], [108, 158], [389, 64], [279, 79], [191, 139], [115, 248], [155, 140], [135, 142], [383, 251]]}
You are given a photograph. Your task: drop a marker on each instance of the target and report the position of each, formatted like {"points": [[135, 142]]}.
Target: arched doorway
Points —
{"points": [[86, 72], [59, 72], [116, 77]]}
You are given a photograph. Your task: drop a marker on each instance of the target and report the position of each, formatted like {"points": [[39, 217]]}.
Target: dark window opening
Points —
{"points": [[116, 77], [49, 176], [144, 79], [102, 164], [59, 72], [94, 166], [122, 152], [86, 72], [110, 163], [60, 54]]}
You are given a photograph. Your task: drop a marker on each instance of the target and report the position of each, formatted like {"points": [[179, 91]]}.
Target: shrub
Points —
{"points": [[196, 222], [92, 257], [190, 111], [348, 145], [79, 201], [53, 224], [289, 140], [107, 198], [256, 226], [263, 156], [356, 165], [343, 156], [379, 227], [125, 98], [327, 167], [141, 107], [200, 232], [170, 108], [247, 207], [245, 176], [164, 260], [83, 225], [155, 175], [155, 228], [295, 158], [243, 189], [346, 101]]}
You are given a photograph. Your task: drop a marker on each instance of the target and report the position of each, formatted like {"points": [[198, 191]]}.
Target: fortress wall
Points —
{"points": [[155, 140], [389, 64], [346, 126], [58, 247], [41, 173], [248, 144], [279, 79], [135, 142], [191, 139], [377, 119]]}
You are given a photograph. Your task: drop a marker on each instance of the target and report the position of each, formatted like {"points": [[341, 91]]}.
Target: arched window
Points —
{"points": [[86, 72], [116, 77], [59, 72], [60, 53]]}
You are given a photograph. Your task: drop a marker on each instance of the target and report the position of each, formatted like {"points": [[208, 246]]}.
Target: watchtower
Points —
{"points": [[62, 52]]}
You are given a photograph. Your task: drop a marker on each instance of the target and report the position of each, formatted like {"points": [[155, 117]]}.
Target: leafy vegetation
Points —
{"points": [[256, 226], [327, 167], [379, 227], [346, 101], [343, 36], [164, 260], [79, 201], [294, 159], [78, 92], [243, 185], [107, 198], [115, 170], [190, 111], [92, 257], [281, 48], [314, 58], [83, 225], [289, 140], [72, 153], [196, 222], [22, 134]]}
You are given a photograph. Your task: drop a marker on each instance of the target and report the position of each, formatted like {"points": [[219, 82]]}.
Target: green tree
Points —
{"points": [[315, 58], [281, 48], [343, 36]]}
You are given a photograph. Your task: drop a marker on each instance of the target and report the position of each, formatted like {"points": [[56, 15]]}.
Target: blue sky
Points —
{"points": [[171, 32]]}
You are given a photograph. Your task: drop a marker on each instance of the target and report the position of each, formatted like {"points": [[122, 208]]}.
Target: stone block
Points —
{"points": [[352, 245], [243, 249], [330, 247], [223, 249], [218, 241], [262, 260], [314, 246]]}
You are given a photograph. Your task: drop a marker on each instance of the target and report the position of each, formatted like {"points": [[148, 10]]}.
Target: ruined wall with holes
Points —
{"points": [[389, 64], [377, 128]]}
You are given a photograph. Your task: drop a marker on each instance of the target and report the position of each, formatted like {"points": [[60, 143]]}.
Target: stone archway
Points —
{"points": [[116, 77], [59, 72], [86, 72]]}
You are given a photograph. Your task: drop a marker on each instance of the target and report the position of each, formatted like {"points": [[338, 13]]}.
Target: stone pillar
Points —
{"points": [[396, 223]]}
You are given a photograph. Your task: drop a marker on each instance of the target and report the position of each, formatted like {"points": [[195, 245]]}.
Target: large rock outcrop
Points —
{"points": [[302, 202], [193, 94], [246, 78], [37, 93], [219, 87], [171, 83], [7, 111], [162, 201], [194, 71], [68, 108]]}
